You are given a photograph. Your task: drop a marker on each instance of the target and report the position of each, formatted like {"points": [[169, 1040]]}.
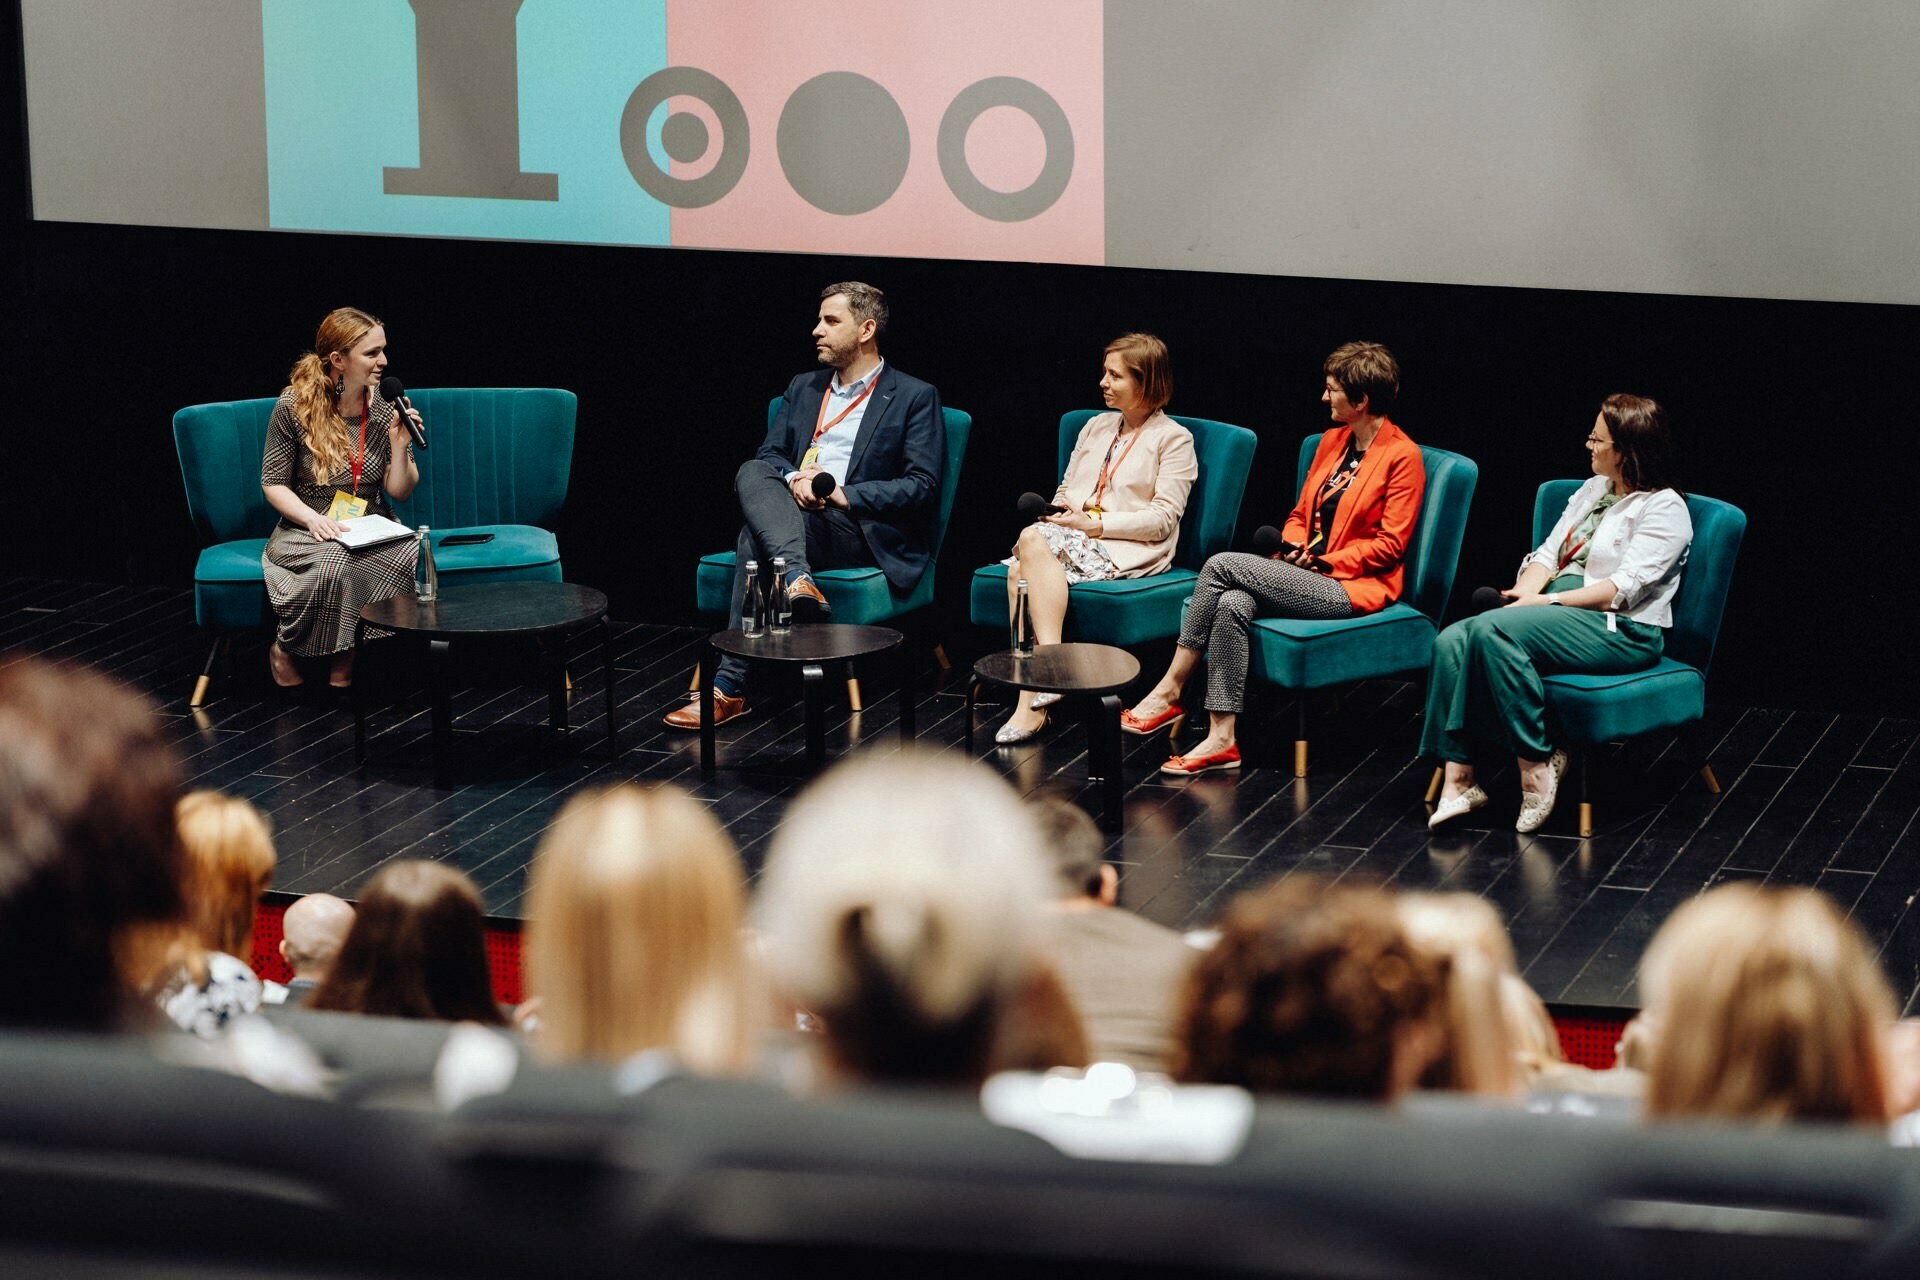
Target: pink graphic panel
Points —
{"points": [[855, 166]]}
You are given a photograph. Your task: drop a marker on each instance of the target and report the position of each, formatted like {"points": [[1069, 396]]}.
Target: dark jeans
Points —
{"points": [[777, 527]]}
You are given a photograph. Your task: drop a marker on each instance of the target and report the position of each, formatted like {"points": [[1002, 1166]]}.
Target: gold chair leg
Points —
{"points": [[853, 693], [940, 656], [568, 677], [1300, 757], [201, 685], [1706, 776], [1433, 788], [693, 685], [1586, 819]]}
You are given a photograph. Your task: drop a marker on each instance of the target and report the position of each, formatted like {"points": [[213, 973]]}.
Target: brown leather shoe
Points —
{"points": [[808, 604], [688, 716]]}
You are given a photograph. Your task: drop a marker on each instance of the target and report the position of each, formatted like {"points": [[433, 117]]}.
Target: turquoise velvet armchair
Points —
{"points": [[498, 462], [858, 596], [1131, 611], [1302, 654], [1587, 710]]}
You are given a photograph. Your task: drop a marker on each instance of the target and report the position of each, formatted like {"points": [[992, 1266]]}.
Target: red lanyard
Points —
{"points": [[1106, 471], [359, 460], [1566, 556], [821, 426]]}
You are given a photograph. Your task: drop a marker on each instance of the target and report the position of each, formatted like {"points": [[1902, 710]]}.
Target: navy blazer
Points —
{"points": [[893, 478]]}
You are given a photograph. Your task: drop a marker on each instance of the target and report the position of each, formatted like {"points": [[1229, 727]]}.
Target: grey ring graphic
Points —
{"points": [[823, 163], [678, 137], [975, 101]]}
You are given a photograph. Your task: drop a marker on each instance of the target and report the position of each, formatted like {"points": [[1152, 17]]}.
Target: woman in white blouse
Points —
{"points": [[1596, 598], [1122, 498]]}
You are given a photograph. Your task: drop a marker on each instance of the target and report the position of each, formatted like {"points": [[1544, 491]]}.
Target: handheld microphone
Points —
{"points": [[1485, 598], [394, 392], [1268, 542], [1033, 506], [823, 485]]}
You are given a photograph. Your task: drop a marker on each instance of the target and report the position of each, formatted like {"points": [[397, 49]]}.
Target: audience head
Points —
{"points": [[1642, 446], [1144, 359], [1311, 988], [1767, 1004], [1365, 371], [88, 845], [417, 949], [899, 904], [228, 851], [637, 902], [1464, 935], [312, 932], [1075, 849]]}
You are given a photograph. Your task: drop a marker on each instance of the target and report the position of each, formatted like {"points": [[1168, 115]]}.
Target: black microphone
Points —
{"points": [[395, 393], [823, 485], [1033, 506], [1267, 541], [1485, 598]]}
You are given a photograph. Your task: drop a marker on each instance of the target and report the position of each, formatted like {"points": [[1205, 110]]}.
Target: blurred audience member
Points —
{"points": [[1464, 934], [1312, 988], [197, 970], [88, 847], [1122, 972], [637, 905], [312, 932], [901, 906], [1765, 1004], [417, 949]]}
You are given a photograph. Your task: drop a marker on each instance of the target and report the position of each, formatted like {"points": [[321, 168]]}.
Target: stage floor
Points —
{"points": [[1809, 799]]}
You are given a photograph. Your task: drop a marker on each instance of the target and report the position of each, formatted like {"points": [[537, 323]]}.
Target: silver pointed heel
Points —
{"points": [[1007, 735]]}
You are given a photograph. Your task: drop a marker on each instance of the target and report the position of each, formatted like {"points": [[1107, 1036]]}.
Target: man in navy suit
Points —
{"points": [[880, 434]]}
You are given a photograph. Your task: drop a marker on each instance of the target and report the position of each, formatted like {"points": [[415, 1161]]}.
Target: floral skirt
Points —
{"points": [[1084, 559]]}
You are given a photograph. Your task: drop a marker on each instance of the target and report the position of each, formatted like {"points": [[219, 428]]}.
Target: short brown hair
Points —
{"points": [[1073, 844], [418, 949], [1768, 1005], [1312, 988], [1365, 371], [865, 302], [1639, 428], [1145, 357]]}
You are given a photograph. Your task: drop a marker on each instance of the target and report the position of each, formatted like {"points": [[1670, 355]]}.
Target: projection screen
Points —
{"points": [[1760, 148]]}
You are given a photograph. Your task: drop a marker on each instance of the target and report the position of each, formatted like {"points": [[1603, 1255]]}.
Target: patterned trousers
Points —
{"points": [[1234, 589]]}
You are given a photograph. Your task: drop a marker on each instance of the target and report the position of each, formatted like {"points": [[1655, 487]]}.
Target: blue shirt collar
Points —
{"points": [[854, 388]]}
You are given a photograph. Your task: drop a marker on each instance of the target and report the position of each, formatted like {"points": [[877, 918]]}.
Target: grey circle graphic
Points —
{"points": [[684, 137], [843, 143], [684, 193], [975, 101]]}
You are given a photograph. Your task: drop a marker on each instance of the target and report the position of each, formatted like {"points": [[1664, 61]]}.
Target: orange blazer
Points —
{"points": [[1368, 540]]}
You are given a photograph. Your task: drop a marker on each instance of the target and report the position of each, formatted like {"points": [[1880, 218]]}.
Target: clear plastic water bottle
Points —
{"points": [[753, 610], [780, 610], [1022, 627], [426, 578]]}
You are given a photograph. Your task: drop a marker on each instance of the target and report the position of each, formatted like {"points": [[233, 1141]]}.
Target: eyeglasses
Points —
{"points": [[1597, 440]]}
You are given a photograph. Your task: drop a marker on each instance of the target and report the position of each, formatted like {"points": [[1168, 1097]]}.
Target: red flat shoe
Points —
{"points": [[1131, 723], [1187, 766]]}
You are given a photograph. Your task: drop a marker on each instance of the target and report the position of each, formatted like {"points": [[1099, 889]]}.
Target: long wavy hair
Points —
{"points": [[316, 396]]}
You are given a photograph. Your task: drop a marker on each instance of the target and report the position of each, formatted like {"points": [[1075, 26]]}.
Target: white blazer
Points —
{"points": [[1640, 546]]}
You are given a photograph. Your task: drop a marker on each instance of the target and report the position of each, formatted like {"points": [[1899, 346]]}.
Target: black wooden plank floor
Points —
{"points": [[1808, 799]]}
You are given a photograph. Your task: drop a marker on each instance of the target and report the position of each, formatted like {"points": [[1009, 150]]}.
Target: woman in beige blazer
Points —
{"points": [[1122, 498]]}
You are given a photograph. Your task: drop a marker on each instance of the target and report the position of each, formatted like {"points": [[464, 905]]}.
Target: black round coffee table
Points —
{"points": [[812, 646], [489, 609], [1094, 672]]}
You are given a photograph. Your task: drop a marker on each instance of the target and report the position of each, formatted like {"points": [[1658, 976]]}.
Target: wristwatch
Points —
{"points": [[1555, 600]]}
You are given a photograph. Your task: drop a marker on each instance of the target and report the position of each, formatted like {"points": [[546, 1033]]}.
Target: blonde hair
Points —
{"points": [[900, 903], [316, 398], [1771, 1007], [1485, 1026], [637, 902], [228, 865]]}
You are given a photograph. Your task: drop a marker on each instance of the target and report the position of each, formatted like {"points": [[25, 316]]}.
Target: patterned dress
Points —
{"points": [[319, 588]]}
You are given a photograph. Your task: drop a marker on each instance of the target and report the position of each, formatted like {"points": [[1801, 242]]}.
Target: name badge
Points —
{"points": [[1095, 510], [346, 506], [810, 458]]}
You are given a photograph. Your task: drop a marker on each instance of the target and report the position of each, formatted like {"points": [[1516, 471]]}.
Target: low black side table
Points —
{"points": [[1089, 671], [488, 609], [812, 646]]}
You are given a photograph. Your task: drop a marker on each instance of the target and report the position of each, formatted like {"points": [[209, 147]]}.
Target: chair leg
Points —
{"points": [[693, 685], [853, 693], [205, 682], [1433, 787], [940, 656], [1300, 738], [1712, 783], [1586, 800]]}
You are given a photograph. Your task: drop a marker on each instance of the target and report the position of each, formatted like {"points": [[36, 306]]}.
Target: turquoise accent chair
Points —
{"points": [[1130, 611], [1672, 693], [497, 462], [862, 597], [1303, 653]]}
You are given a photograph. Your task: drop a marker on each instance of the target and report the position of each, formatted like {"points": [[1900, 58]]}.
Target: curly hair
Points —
{"points": [[316, 399], [1311, 988]]}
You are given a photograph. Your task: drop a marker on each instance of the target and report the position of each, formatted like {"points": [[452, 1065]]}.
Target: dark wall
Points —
{"points": [[1784, 408]]}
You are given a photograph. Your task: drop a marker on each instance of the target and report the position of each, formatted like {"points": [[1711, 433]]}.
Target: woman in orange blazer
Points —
{"points": [[1344, 542]]}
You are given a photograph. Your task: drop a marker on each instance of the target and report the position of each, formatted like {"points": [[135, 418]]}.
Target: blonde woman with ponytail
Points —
{"points": [[334, 449]]}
